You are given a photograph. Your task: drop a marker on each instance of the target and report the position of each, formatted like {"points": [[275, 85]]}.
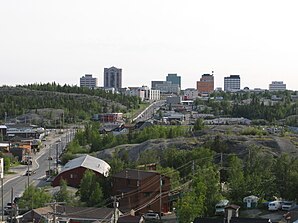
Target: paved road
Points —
{"points": [[149, 111], [17, 183]]}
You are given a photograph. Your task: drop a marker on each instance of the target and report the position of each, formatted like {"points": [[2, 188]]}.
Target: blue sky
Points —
{"points": [[61, 40]]}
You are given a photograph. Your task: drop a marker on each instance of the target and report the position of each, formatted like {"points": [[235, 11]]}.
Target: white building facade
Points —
{"points": [[88, 81], [190, 94], [144, 92], [277, 86], [232, 83]]}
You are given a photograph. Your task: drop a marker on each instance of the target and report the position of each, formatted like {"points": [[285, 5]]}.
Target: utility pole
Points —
{"points": [[2, 192], [115, 205], [11, 214], [57, 156], [160, 190], [28, 172], [54, 213]]}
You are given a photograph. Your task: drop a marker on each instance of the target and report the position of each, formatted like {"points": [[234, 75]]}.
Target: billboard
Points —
{"points": [[1, 168]]}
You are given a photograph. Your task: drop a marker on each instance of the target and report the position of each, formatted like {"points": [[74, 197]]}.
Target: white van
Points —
{"points": [[274, 205], [220, 207]]}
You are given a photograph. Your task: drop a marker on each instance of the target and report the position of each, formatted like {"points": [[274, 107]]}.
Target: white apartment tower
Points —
{"points": [[232, 83], [112, 78], [88, 81]]}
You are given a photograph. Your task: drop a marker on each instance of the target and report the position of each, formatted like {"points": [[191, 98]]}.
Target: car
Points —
{"points": [[151, 215], [50, 158], [30, 172], [274, 205], [8, 208], [287, 205]]}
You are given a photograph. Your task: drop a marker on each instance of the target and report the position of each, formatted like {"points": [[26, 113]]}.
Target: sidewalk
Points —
{"points": [[20, 170]]}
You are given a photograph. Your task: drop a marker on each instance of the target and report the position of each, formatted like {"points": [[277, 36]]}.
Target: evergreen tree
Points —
{"points": [[236, 179]]}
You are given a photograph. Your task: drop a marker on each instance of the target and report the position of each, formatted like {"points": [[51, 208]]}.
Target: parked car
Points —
{"points": [[8, 208], [274, 205], [30, 172], [151, 215], [287, 205]]}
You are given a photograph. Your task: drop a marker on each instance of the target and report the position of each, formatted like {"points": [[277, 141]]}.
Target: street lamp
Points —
{"points": [[1, 176]]}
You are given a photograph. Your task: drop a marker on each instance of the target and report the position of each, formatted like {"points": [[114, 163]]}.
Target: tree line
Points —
{"points": [[77, 103], [233, 105]]}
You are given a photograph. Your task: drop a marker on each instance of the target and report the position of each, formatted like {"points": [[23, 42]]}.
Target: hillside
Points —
{"points": [[231, 142], [43, 106]]}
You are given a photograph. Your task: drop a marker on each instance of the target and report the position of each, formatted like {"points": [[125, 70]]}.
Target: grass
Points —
{"points": [[9, 172]]}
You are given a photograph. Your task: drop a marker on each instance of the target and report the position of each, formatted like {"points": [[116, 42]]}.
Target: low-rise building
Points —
{"points": [[74, 170], [72, 214], [24, 132], [174, 100], [142, 190], [190, 94], [108, 117], [228, 121], [3, 130]]}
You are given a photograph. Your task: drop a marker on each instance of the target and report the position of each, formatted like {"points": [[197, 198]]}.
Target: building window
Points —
{"points": [[147, 194], [71, 176]]}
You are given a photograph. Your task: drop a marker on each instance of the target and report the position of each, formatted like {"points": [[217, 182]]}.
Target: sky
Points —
{"points": [[61, 40]]}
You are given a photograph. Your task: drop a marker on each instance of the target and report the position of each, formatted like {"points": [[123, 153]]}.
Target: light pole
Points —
{"points": [[28, 172], [49, 159], [57, 156], [1, 176]]}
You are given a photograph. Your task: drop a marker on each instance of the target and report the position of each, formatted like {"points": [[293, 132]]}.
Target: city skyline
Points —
{"points": [[60, 41]]}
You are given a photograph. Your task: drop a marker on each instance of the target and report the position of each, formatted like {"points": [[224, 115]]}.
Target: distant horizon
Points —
{"points": [[46, 41]]}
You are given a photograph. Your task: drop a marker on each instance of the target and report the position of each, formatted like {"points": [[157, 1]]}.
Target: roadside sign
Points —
{"points": [[1, 168]]}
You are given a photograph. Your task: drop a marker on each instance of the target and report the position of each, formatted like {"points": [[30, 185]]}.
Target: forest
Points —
{"points": [[204, 175], [254, 106], [77, 104]]}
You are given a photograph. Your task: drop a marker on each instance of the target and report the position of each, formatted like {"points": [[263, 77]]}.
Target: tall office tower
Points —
{"points": [[232, 83], [154, 83], [206, 84], [113, 78], [88, 81], [277, 86], [174, 79]]}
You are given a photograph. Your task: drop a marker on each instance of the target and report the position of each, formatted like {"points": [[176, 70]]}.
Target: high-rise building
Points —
{"points": [[175, 79], [113, 78], [206, 84], [232, 83], [277, 86], [154, 83], [167, 87], [88, 81]]}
